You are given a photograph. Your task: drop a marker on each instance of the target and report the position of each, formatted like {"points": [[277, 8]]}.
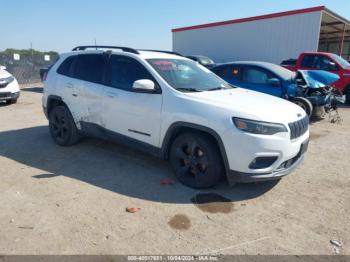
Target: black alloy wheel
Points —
{"points": [[196, 160]]}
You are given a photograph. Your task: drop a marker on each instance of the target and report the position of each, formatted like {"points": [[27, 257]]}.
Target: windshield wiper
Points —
{"points": [[220, 88], [188, 89], [216, 88]]}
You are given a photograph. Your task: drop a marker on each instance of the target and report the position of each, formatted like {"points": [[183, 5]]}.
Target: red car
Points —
{"points": [[324, 61]]}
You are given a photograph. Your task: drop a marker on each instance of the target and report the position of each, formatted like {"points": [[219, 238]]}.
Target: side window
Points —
{"points": [[66, 66], [229, 72], [309, 61], [221, 71], [124, 71], [234, 73], [255, 76], [90, 67], [327, 64]]}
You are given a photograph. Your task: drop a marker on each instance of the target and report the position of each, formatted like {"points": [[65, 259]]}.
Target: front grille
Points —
{"points": [[5, 95], [299, 127], [3, 85]]}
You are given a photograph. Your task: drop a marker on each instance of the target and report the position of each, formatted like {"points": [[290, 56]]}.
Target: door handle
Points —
{"points": [[112, 95], [69, 85]]}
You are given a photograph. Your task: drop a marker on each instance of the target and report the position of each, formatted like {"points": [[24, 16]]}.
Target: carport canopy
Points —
{"points": [[334, 34]]}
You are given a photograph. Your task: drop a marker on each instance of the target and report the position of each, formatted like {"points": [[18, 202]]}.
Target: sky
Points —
{"points": [[60, 25]]}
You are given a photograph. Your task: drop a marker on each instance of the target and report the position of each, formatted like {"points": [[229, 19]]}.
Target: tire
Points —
{"points": [[62, 127], [304, 104], [319, 112], [196, 161], [11, 101], [347, 96]]}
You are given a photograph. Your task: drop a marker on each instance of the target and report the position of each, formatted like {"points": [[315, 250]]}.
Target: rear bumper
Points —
{"points": [[9, 95]]}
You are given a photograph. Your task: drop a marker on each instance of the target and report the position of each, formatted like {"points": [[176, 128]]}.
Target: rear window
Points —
{"points": [[289, 62], [90, 67], [308, 61], [66, 67]]}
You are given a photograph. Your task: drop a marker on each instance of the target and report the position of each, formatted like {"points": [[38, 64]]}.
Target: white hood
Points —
{"points": [[249, 103], [4, 74]]}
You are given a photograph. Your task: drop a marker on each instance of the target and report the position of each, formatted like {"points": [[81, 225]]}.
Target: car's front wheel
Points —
{"points": [[196, 160], [304, 104], [11, 101], [62, 126]]}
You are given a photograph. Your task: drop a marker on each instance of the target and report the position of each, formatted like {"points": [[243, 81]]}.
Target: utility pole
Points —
{"points": [[31, 47]]}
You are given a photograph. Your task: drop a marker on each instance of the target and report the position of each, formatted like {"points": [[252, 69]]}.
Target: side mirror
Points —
{"points": [[143, 85], [332, 66], [274, 82], [3, 67]]}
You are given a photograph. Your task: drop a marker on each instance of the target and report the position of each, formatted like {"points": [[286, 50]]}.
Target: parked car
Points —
{"points": [[304, 88], [176, 109], [203, 60], [9, 88], [328, 62], [289, 62]]}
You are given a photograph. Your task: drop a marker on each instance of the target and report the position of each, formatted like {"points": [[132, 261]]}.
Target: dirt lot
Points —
{"points": [[56, 200]]}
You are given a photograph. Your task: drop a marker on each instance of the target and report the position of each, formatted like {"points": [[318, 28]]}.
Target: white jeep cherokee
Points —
{"points": [[9, 88], [176, 109]]}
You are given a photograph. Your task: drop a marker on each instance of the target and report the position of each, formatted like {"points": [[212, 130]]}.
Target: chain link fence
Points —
{"points": [[25, 65]]}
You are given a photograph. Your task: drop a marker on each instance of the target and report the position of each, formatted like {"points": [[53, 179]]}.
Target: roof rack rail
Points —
{"points": [[125, 49], [161, 51]]}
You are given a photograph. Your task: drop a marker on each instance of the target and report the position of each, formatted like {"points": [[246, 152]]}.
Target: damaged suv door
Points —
{"points": [[129, 111], [89, 75]]}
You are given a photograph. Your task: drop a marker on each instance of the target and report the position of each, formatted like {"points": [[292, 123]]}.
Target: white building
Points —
{"points": [[271, 38]]}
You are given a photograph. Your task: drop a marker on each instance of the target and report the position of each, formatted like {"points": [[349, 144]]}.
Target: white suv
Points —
{"points": [[176, 109], [9, 88]]}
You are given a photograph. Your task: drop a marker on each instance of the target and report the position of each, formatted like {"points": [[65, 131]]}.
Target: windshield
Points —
{"points": [[282, 72], [340, 61], [187, 75]]}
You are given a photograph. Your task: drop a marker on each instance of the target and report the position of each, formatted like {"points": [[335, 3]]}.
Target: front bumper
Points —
{"points": [[9, 96], [284, 169], [239, 177], [320, 100], [289, 154]]}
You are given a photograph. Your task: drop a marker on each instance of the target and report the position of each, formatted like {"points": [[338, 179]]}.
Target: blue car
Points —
{"points": [[307, 88]]}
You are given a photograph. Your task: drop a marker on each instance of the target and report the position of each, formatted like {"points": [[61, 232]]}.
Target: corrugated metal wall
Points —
{"points": [[271, 40]]}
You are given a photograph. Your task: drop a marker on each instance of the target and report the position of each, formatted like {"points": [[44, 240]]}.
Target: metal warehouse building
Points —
{"points": [[271, 38]]}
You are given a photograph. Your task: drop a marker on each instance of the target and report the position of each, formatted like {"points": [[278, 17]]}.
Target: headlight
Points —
{"points": [[258, 127], [6, 80]]}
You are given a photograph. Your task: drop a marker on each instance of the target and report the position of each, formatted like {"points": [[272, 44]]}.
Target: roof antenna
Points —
{"points": [[95, 42]]}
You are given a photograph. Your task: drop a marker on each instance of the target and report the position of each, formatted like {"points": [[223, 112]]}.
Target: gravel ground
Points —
{"points": [[73, 200]]}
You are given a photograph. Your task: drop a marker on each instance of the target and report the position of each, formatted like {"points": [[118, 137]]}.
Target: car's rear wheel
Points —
{"points": [[196, 160], [304, 104], [62, 126]]}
